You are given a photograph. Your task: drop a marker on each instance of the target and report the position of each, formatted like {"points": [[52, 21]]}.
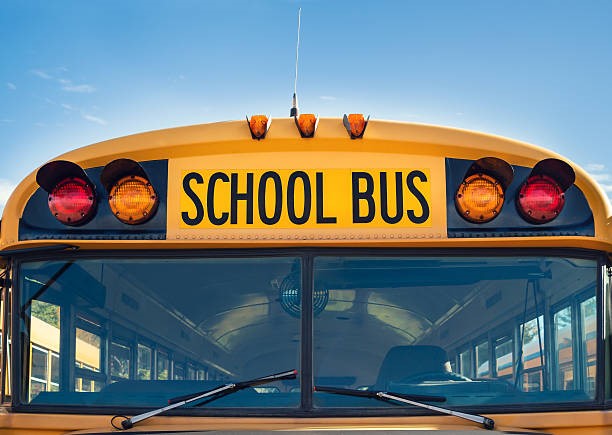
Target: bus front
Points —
{"points": [[249, 276]]}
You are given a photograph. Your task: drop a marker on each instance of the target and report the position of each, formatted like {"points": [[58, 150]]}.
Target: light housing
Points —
{"points": [[481, 195], [306, 124], [355, 125], [72, 198], [290, 297], [259, 126], [131, 196], [541, 197]]}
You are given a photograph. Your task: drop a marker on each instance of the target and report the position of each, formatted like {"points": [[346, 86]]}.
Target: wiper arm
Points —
{"points": [[213, 394], [410, 399]]}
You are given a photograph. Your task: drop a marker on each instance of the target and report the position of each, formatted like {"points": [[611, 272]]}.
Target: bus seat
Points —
{"points": [[403, 362]]}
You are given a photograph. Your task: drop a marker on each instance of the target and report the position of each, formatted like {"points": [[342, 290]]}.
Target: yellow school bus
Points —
{"points": [[306, 274]]}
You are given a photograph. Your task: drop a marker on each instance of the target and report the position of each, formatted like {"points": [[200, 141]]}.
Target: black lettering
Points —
{"points": [[419, 196], [194, 197], [363, 196], [321, 218], [246, 196], [278, 196], [399, 198], [210, 199], [291, 198]]}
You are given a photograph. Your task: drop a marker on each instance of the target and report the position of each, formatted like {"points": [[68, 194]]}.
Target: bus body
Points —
{"points": [[467, 269]]}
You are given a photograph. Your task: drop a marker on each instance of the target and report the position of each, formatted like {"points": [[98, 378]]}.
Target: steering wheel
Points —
{"points": [[433, 376]]}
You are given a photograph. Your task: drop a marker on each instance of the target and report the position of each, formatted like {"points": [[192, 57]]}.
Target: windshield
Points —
{"points": [[141, 331], [477, 330]]}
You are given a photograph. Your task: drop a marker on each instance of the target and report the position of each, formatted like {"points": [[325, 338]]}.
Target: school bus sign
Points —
{"points": [[305, 198]]}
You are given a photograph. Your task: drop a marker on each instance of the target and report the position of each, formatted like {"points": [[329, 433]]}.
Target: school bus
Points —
{"points": [[306, 274]]}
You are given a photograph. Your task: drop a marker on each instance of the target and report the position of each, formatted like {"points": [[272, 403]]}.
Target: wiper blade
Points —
{"points": [[414, 400], [213, 394]]}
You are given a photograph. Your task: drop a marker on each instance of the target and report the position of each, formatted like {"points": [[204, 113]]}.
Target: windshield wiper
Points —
{"points": [[215, 393], [409, 399]]}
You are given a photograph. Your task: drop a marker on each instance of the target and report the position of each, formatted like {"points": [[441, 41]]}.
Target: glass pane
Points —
{"points": [[225, 314], [88, 349], [39, 363], [504, 358], [588, 315], [163, 366], [389, 323], [120, 360], [237, 317], [564, 350], [532, 352], [145, 362], [179, 372], [465, 362], [482, 360], [55, 368]]}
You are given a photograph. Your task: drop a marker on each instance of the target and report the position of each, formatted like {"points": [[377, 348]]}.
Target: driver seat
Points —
{"points": [[407, 361]]}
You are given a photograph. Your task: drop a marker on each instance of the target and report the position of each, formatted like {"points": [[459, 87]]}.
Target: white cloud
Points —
{"points": [[6, 121], [67, 106], [11, 86], [64, 81], [6, 188], [327, 98], [595, 167], [600, 177], [95, 119], [41, 74], [82, 89]]}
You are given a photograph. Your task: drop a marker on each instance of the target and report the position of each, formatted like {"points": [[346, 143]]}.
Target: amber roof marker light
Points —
{"points": [[541, 197], [259, 126], [355, 124], [131, 196], [481, 194], [72, 196]]}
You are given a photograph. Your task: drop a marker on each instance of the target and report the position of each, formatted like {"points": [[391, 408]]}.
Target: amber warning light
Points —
{"points": [[480, 196], [131, 196]]}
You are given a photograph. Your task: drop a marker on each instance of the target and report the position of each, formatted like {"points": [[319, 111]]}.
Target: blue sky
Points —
{"points": [[78, 72]]}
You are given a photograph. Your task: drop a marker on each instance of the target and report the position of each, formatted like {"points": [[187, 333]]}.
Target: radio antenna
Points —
{"points": [[294, 108]]}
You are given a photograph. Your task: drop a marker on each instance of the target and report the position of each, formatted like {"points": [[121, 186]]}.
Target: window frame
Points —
{"points": [[307, 255]]}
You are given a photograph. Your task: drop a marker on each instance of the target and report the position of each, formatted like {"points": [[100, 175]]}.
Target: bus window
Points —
{"points": [[564, 348], [39, 371], [465, 363], [504, 358], [588, 320], [120, 361], [55, 372], [482, 360], [532, 355], [163, 366], [179, 371], [145, 362]]}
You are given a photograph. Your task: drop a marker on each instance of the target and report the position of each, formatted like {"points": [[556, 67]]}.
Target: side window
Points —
{"points": [[483, 369], [588, 321], [120, 359], [145, 362], [504, 358], [532, 355], [564, 349], [89, 354], [465, 363], [162, 366]]}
